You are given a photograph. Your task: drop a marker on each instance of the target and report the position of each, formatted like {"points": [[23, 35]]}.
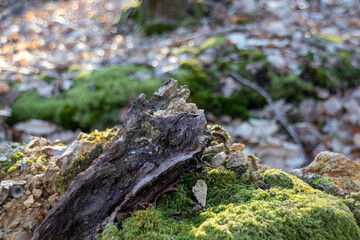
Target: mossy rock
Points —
{"points": [[236, 210], [327, 185], [277, 178], [94, 101], [101, 139]]}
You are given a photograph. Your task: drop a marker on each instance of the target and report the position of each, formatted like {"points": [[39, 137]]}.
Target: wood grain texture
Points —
{"points": [[146, 156]]}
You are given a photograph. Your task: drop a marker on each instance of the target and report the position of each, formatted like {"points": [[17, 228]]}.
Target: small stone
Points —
{"points": [[36, 142], [27, 193], [272, 193], [218, 160], [237, 160], [74, 151], [51, 172], [38, 165], [263, 185], [29, 201], [35, 181], [237, 147], [36, 205], [34, 170], [215, 149], [200, 192], [37, 193], [198, 207], [53, 199], [8, 205], [4, 87]]}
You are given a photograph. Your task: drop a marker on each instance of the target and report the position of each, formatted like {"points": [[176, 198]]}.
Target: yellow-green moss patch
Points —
{"points": [[234, 210]]}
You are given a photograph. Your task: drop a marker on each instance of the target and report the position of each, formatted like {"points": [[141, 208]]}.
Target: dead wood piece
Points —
{"points": [[147, 154]]}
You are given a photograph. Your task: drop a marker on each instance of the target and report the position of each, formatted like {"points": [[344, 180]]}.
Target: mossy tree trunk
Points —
{"points": [[158, 140]]}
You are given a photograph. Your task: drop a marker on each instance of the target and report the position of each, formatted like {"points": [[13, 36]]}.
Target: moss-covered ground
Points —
{"points": [[93, 102], [95, 99], [239, 209], [206, 80]]}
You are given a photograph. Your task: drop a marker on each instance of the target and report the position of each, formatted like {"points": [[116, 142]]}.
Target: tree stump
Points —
{"points": [[158, 139]]}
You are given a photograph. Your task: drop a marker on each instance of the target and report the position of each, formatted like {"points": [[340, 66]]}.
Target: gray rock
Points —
{"points": [[200, 192], [36, 181], [50, 173], [29, 201], [75, 150], [37, 193], [36, 142], [215, 149], [218, 160], [237, 160]]}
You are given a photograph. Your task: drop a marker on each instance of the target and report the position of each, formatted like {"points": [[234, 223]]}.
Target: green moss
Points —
{"points": [[341, 76], [46, 78], [158, 28], [354, 207], [11, 169], [316, 219], [103, 137], [290, 87], [325, 184], [142, 222], [16, 156], [238, 211], [211, 42], [111, 232], [204, 88], [12, 163], [93, 102], [330, 39], [277, 178]]}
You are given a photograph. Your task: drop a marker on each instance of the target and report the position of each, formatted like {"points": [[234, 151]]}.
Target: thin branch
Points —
{"points": [[273, 107]]}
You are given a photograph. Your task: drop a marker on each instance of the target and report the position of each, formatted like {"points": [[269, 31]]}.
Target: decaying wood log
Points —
{"points": [[159, 138]]}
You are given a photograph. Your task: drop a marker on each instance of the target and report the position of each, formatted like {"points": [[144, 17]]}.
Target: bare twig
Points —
{"points": [[273, 107]]}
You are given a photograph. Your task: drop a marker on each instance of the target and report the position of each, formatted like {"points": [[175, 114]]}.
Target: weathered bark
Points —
{"points": [[158, 139]]}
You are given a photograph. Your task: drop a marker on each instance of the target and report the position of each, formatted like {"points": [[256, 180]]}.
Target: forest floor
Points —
{"points": [[45, 44]]}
